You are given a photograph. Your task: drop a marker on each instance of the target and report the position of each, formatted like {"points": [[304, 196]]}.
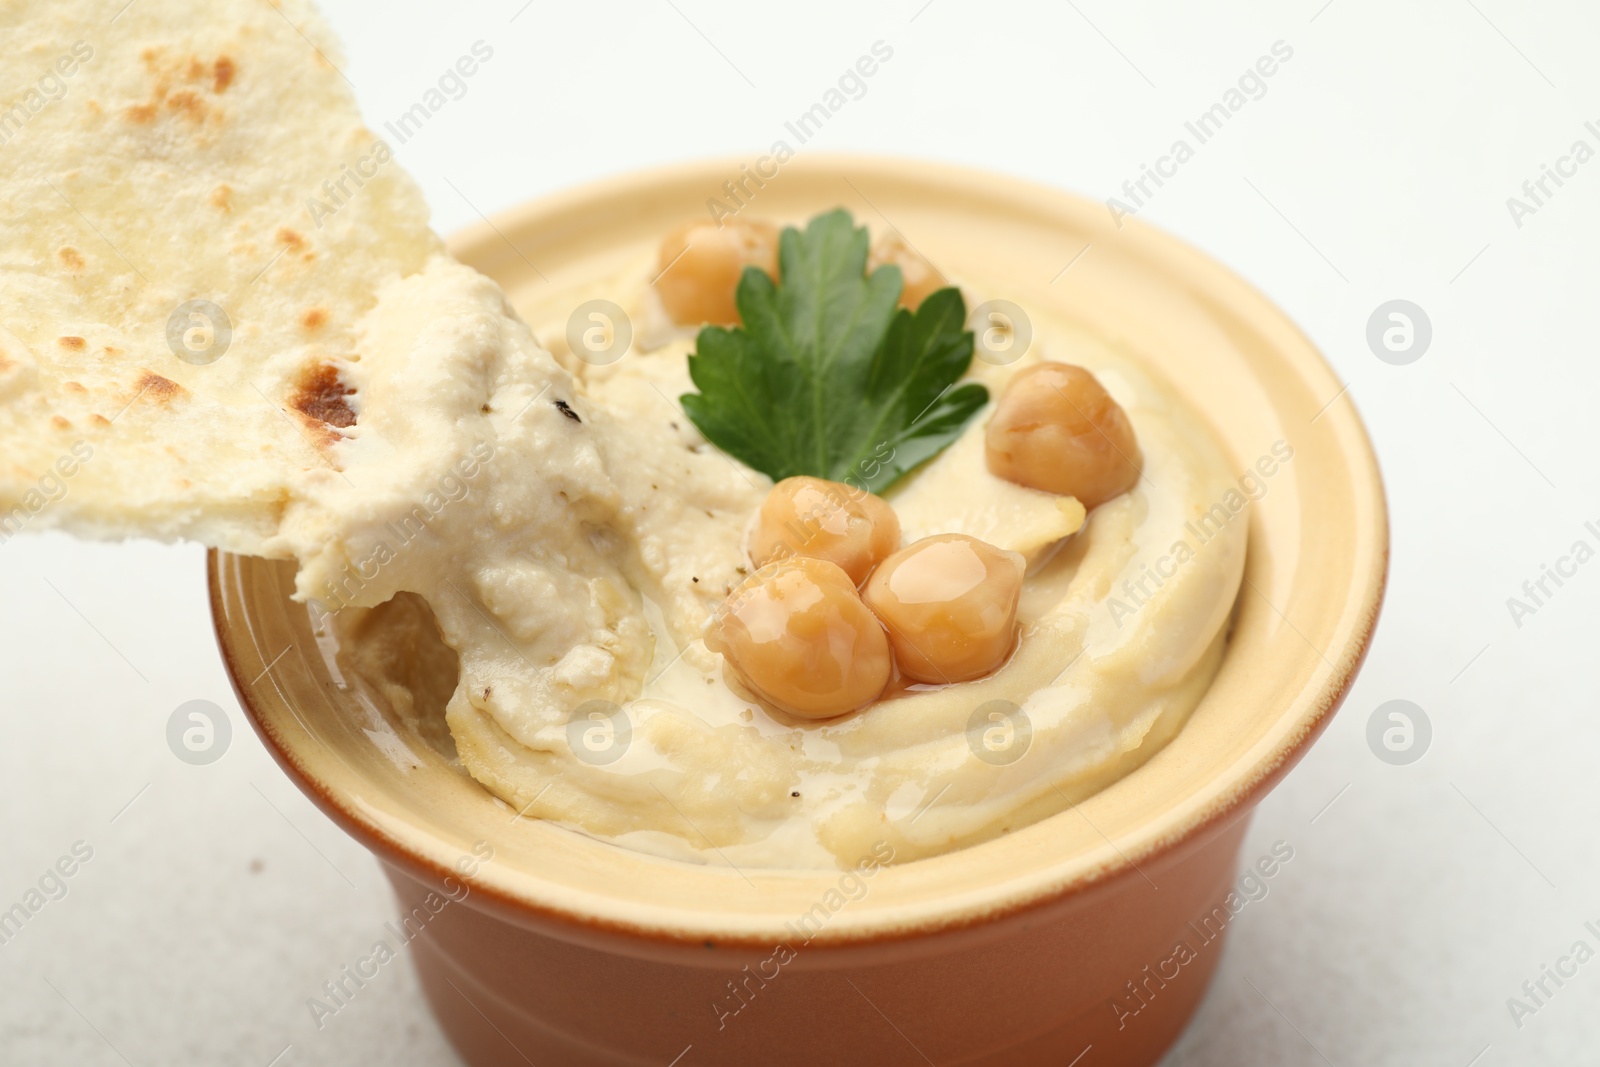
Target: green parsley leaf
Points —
{"points": [[827, 377]]}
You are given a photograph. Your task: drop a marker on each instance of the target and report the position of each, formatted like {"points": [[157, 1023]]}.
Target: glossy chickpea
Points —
{"points": [[1056, 428], [700, 266], [813, 517], [798, 635], [921, 277], [950, 604]]}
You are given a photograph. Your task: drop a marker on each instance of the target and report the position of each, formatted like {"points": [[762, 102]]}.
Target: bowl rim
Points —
{"points": [[1318, 698]]}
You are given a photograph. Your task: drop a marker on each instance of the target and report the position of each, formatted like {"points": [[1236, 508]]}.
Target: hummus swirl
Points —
{"points": [[593, 542]]}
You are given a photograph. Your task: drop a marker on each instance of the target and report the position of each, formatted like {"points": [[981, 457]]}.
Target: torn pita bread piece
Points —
{"points": [[180, 335]]}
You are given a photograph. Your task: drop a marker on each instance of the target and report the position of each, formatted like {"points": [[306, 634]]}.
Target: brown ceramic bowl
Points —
{"points": [[1053, 942]]}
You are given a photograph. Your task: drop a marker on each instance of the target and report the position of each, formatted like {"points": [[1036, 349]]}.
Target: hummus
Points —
{"points": [[576, 559]]}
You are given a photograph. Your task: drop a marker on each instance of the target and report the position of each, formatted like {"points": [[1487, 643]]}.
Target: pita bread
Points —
{"points": [[164, 157]]}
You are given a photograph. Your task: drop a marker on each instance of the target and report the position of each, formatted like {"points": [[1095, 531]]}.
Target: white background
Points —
{"points": [[1377, 166]]}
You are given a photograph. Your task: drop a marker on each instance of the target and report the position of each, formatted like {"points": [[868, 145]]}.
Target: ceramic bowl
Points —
{"points": [[1087, 938]]}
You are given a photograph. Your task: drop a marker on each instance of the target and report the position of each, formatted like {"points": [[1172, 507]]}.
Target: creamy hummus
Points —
{"points": [[575, 560]]}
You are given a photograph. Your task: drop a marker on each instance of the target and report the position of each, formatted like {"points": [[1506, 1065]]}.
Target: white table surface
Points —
{"points": [[1376, 166]]}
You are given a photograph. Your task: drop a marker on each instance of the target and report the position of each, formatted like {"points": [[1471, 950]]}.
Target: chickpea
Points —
{"points": [[921, 277], [1056, 428], [798, 635], [950, 603], [814, 517], [700, 265]]}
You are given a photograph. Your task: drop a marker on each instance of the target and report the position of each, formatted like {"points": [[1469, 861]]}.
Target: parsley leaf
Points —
{"points": [[827, 377]]}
